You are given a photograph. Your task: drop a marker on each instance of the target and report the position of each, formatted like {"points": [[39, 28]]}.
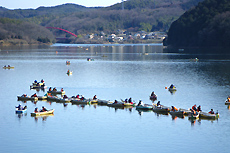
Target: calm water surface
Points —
{"points": [[118, 72]]}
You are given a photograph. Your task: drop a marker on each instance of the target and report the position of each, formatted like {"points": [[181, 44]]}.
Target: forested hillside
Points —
{"points": [[207, 25], [138, 15], [14, 31]]}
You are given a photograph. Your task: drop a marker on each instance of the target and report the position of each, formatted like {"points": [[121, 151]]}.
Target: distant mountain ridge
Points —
{"points": [[139, 15]]}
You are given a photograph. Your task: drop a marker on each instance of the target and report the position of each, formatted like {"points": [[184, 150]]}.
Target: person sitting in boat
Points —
{"points": [[35, 81], [228, 98], [130, 100], [54, 89], [82, 97], [19, 107], [50, 89], [194, 107], [172, 86], [34, 95], [153, 94], [78, 96], [174, 109], [211, 112], [36, 110], [24, 95], [62, 89], [193, 112], [8, 65], [5, 66], [42, 81], [140, 103], [65, 97], [158, 103], [25, 107], [115, 102], [199, 108], [44, 109], [94, 97]]}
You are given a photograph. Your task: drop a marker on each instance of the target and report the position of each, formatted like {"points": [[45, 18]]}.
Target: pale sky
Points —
{"points": [[26, 4]]}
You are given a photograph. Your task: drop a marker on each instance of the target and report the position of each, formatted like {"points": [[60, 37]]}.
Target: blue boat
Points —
{"points": [[20, 111]]}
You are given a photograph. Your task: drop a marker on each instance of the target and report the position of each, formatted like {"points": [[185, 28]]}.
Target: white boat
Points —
{"points": [[79, 101], [103, 102], [205, 115], [161, 109]]}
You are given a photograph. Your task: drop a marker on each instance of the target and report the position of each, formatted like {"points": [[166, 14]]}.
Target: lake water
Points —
{"points": [[117, 72]]}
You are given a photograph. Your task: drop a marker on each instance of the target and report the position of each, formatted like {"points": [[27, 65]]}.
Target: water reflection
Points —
{"points": [[21, 115], [158, 114], [174, 117], [140, 112], [43, 117]]}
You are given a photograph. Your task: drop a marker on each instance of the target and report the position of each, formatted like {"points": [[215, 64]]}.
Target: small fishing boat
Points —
{"points": [[177, 113], [8, 67], [227, 102], [67, 62], [64, 100], [25, 98], [153, 97], [194, 59], [42, 97], [38, 87], [186, 111], [93, 101], [69, 72], [172, 89], [79, 101], [24, 110], [204, 115], [51, 111], [144, 107], [52, 98], [56, 92], [103, 102], [116, 104], [160, 109], [129, 104], [90, 59]]}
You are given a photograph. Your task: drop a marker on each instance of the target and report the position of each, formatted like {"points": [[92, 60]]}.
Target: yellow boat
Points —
{"points": [[8, 67], [93, 101], [51, 111]]}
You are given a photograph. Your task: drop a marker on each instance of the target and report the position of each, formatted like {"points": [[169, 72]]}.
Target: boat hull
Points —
{"points": [[51, 111], [145, 107], [56, 92], [177, 113], [20, 111], [27, 98], [204, 115]]}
